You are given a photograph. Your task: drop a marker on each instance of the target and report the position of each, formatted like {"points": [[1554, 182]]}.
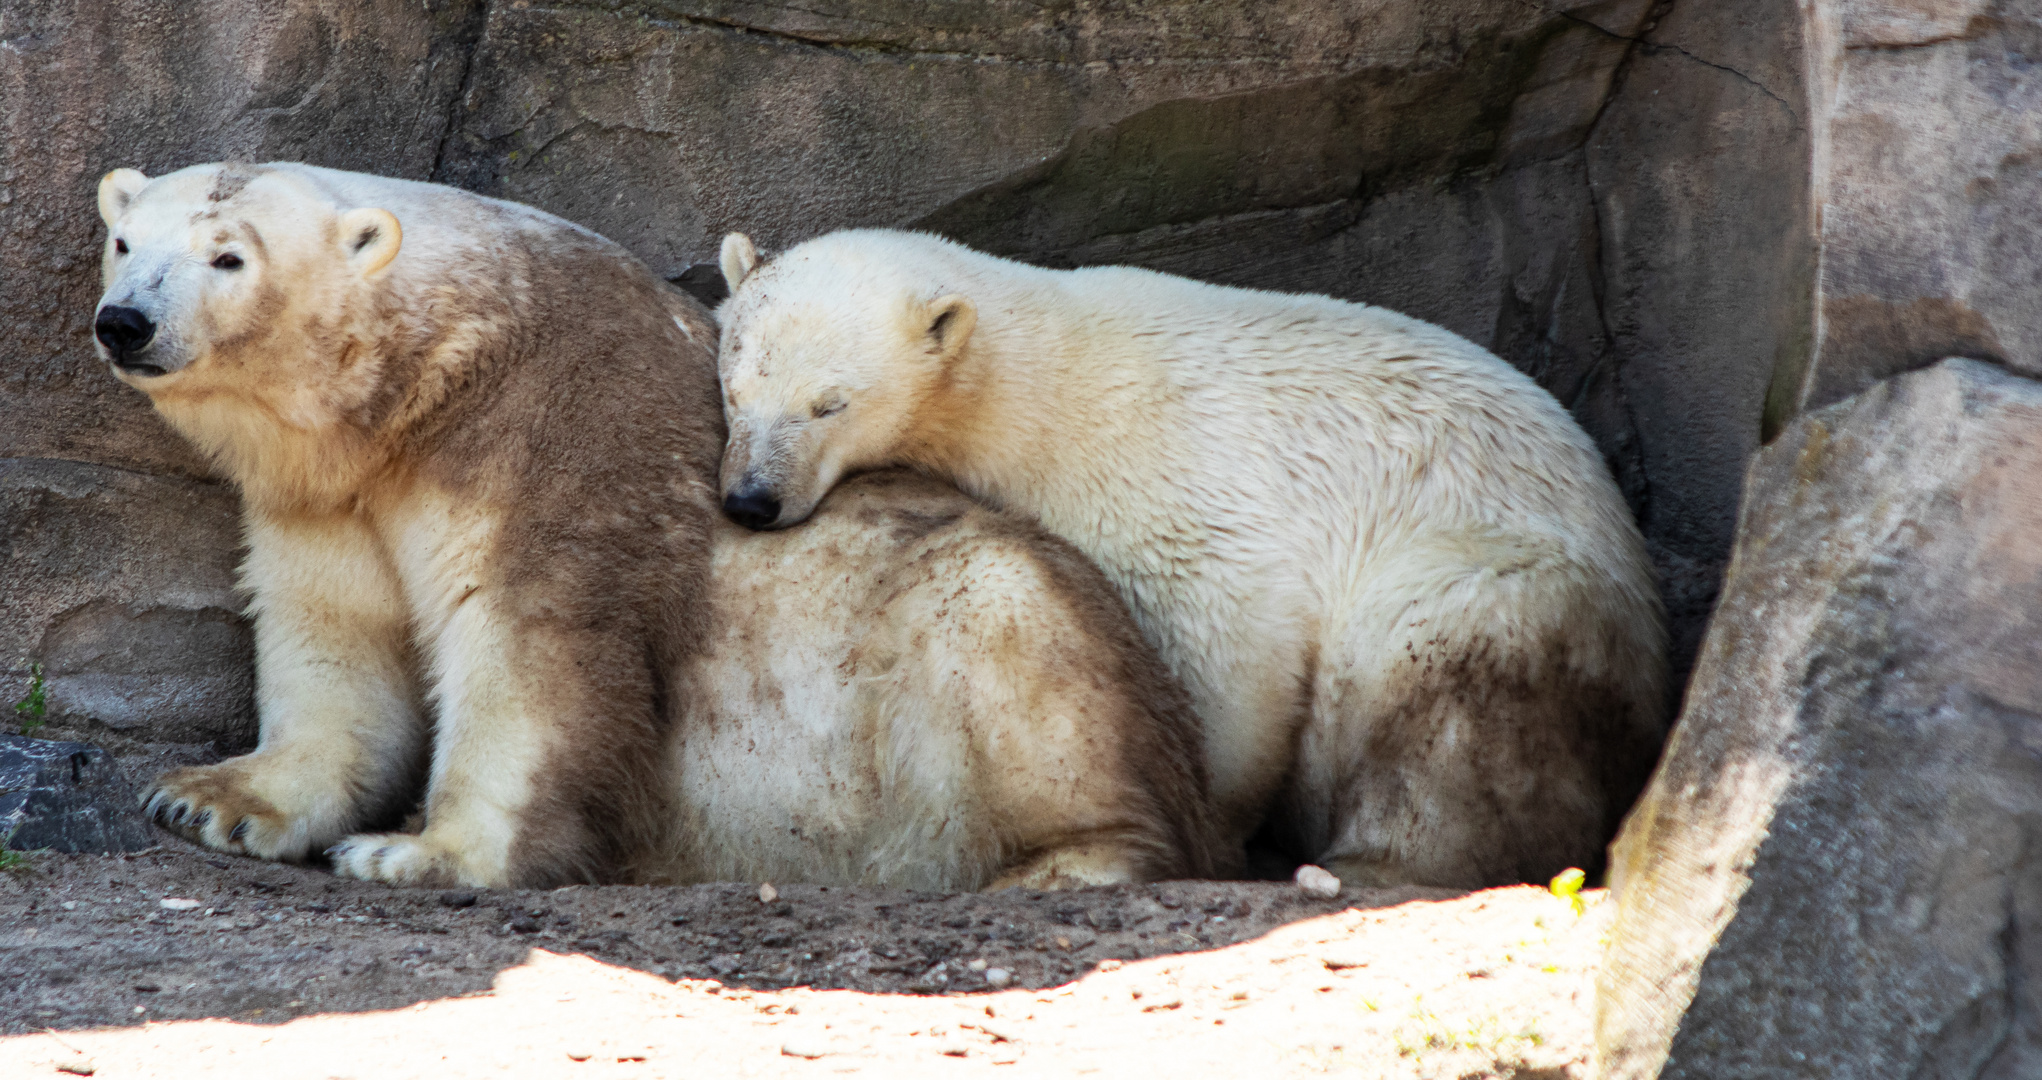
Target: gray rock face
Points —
{"points": [[1611, 194], [66, 796], [1930, 120], [1700, 168], [1853, 797], [122, 585]]}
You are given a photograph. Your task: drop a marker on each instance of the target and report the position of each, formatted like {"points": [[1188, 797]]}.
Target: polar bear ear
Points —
{"points": [[739, 259], [370, 237], [950, 321], [116, 190]]}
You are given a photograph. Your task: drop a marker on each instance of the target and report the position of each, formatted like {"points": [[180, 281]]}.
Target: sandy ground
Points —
{"points": [[305, 975]]}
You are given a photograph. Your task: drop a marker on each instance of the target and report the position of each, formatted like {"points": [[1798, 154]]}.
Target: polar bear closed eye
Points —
{"points": [[1396, 577], [476, 448]]}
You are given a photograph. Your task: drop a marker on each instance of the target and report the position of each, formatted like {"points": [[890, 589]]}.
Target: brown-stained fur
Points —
{"points": [[1160, 749], [1572, 738]]}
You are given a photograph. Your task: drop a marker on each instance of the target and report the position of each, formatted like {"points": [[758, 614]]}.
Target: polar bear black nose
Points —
{"points": [[123, 330], [753, 508]]}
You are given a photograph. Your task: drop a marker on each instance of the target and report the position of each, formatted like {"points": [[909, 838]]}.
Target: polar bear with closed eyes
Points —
{"points": [[476, 447]]}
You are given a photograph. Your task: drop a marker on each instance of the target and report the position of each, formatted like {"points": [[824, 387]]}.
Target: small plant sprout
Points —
{"points": [[1567, 886], [30, 710], [11, 861]]}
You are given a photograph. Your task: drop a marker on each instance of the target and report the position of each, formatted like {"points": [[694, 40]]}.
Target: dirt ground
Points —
{"points": [[114, 963]]}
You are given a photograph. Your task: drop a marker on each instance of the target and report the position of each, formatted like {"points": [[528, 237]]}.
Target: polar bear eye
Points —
{"points": [[120, 246], [826, 408], [227, 261]]}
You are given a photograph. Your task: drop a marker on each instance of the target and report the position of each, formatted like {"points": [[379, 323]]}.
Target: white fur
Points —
{"points": [[1303, 500], [489, 743]]}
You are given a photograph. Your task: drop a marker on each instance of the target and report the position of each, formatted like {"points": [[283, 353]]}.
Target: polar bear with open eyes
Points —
{"points": [[476, 446], [1403, 591]]}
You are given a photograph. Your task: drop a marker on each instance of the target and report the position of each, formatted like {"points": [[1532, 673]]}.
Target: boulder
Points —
{"points": [[1837, 870], [67, 796]]}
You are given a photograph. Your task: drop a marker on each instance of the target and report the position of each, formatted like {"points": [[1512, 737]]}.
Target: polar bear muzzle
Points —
{"points": [[126, 332], [752, 506]]}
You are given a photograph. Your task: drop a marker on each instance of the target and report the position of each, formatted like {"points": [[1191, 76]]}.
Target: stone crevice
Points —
{"points": [[1644, 42], [1658, 46], [1638, 491], [1975, 29], [833, 43], [471, 42]]}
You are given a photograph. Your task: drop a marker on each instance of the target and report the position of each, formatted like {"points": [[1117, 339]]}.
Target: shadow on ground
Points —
{"points": [[88, 940]]}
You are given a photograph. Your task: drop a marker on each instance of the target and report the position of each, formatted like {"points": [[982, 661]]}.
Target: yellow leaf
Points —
{"points": [[1567, 886]]}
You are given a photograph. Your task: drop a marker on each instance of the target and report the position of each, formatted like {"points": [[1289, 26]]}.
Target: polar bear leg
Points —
{"points": [[545, 739], [341, 729], [542, 729], [489, 747], [1076, 866]]}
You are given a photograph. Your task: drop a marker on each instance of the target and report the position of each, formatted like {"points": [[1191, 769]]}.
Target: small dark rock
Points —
{"points": [[524, 924], [457, 899], [67, 796]]}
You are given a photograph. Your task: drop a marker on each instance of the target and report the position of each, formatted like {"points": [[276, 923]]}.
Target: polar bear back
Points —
{"points": [[1203, 399]]}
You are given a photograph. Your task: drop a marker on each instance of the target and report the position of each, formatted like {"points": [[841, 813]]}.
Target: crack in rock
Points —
{"points": [[1644, 42]]}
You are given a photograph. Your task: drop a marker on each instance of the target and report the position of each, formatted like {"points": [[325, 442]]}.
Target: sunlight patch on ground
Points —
{"points": [[1496, 983]]}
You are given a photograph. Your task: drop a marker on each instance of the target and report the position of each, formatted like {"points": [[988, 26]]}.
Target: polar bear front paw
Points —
{"points": [[217, 805], [403, 859]]}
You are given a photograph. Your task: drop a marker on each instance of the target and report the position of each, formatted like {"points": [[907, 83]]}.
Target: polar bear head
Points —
{"points": [[833, 358], [223, 277]]}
